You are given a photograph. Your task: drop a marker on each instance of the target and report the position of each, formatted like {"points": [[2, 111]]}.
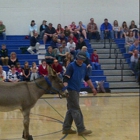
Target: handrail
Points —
{"points": [[116, 56], [110, 43], [122, 68]]}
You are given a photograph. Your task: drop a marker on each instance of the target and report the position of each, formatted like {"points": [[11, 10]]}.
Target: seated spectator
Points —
{"points": [[84, 49], [34, 44], [26, 72], [76, 34], [32, 28], [13, 59], [62, 37], [95, 60], [43, 26], [61, 54], [54, 42], [49, 56], [19, 70], [106, 30], [73, 38], [124, 29], [67, 31], [82, 29], [117, 29], [71, 47], [68, 59], [43, 68], [59, 29], [4, 55], [72, 27], [137, 70], [129, 40], [133, 28], [49, 32], [58, 68], [13, 75], [2, 30], [80, 44], [64, 45], [92, 29], [2, 74], [133, 61], [34, 72], [134, 46]]}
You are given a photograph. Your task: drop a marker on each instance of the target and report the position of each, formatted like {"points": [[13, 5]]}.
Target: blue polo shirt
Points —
{"points": [[77, 75], [133, 47]]}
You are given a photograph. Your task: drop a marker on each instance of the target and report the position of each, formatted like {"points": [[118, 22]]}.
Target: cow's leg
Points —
{"points": [[26, 121]]}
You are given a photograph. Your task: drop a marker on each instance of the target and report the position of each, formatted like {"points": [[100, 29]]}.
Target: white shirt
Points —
{"points": [[71, 46]]}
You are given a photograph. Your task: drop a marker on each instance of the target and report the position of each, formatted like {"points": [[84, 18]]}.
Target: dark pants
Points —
{"points": [[96, 34], [74, 112]]}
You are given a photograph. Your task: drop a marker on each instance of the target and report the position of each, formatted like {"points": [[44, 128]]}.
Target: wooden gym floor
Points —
{"points": [[109, 116]]}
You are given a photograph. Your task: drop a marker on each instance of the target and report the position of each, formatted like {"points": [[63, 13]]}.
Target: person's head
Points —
{"points": [[66, 28], [115, 23], [80, 58], [1, 68], [33, 64], [60, 48], [73, 23], [91, 20], [13, 55], [3, 46], [1, 23], [55, 62], [17, 65], [71, 35], [54, 38], [81, 39], [43, 62], [50, 49], [13, 68], [132, 22], [80, 23], [59, 26], [124, 24], [50, 25], [62, 35], [26, 64], [95, 52], [32, 23], [35, 34], [71, 41], [130, 34], [68, 55], [63, 43], [84, 48], [44, 22], [106, 21], [136, 42]]}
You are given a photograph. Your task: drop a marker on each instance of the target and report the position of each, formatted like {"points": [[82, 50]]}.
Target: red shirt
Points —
{"points": [[74, 39], [94, 58], [43, 71], [57, 68], [73, 27]]}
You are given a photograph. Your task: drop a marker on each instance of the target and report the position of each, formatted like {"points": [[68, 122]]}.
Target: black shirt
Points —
{"points": [[4, 53], [80, 45], [50, 31]]}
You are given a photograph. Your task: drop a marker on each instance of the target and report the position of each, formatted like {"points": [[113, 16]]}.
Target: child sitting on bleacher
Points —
{"points": [[95, 60], [34, 72], [19, 70], [26, 72]]}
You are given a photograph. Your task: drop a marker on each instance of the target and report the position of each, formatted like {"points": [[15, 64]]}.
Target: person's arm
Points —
{"points": [[4, 75]]}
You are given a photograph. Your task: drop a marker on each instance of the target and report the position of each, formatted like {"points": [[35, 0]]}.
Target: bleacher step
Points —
{"points": [[125, 90], [106, 51], [110, 60], [118, 78], [101, 55], [112, 66], [123, 84]]}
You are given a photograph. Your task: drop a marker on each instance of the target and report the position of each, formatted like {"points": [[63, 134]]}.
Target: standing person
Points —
{"points": [[4, 55], [43, 26], [26, 72], [32, 28], [2, 74], [34, 44], [3, 30], [75, 73], [106, 30], [92, 29]]}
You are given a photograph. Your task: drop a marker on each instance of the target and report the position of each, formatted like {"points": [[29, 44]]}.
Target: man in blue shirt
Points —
{"points": [[106, 30], [76, 72], [135, 46]]}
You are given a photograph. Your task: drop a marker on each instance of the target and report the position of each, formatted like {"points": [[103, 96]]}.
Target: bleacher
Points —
{"points": [[14, 43]]}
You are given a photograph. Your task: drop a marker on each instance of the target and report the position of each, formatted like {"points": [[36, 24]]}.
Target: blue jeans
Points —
{"points": [[132, 65], [95, 66], [4, 35], [116, 33], [89, 71], [74, 112], [109, 34]]}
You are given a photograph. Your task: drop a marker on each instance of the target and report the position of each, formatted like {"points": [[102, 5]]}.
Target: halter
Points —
{"points": [[49, 83]]}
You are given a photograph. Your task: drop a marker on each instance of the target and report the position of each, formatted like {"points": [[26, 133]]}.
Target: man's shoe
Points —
{"points": [[85, 132], [70, 131]]}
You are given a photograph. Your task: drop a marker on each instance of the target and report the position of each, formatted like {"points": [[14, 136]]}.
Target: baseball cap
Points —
{"points": [[81, 56]]}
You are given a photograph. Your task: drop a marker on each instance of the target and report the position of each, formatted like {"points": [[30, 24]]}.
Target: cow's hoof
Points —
{"points": [[30, 137]]}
